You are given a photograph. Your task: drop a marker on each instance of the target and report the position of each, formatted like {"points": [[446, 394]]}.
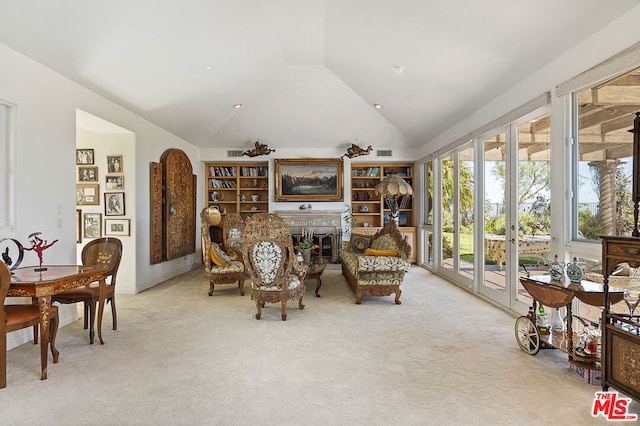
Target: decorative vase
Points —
{"points": [[574, 271], [556, 269], [306, 256]]}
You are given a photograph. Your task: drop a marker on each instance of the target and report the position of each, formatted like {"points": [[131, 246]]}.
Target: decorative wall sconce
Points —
{"points": [[260, 149], [355, 151]]}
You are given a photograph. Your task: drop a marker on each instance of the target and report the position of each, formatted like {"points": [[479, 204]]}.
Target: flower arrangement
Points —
{"points": [[306, 242]]}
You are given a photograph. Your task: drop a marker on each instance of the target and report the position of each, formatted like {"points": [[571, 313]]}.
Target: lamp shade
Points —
{"points": [[393, 185], [211, 215]]}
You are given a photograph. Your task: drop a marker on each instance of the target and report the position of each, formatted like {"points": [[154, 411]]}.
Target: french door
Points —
{"points": [[516, 207]]}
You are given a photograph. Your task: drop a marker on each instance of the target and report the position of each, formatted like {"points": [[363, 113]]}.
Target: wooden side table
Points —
{"points": [[316, 272]]}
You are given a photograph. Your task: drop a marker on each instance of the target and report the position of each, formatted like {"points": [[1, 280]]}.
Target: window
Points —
{"points": [[602, 176], [7, 164]]}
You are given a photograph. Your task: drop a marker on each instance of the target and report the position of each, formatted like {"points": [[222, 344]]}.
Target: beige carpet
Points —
{"points": [[181, 357]]}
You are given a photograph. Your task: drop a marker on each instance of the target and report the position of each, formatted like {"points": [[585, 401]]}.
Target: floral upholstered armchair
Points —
{"points": [[375, 265], [276, 272], [220, 266]]}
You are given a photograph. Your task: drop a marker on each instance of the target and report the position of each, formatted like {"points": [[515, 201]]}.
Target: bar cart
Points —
{"points": [[557, 294]]}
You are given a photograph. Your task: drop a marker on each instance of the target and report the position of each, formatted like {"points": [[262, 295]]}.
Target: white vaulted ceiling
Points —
{"points": [[307, 72]]}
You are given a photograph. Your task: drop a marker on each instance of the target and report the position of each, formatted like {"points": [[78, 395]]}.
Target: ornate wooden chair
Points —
{"points": [[226, 270], [16, 317], [277, 275], [232, 231], [105, 251]]}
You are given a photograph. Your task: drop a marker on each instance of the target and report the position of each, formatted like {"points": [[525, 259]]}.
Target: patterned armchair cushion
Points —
{"points": [[219, 257], [234, 266], [234, 238], [359, 243], [293, 281], [267, 257]]}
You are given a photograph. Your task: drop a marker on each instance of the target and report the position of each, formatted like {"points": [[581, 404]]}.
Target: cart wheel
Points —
{"points": [[527, 335]]}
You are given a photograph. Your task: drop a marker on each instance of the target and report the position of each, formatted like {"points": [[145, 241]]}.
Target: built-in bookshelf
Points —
{"points": [[238, 187], [367, 208]]}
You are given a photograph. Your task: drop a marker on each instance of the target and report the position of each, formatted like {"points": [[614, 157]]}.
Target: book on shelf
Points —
{"points": [[219, 183]]}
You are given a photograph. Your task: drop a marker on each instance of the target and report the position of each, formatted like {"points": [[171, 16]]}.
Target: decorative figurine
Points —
{"points": [[260, 149], [39, 245], [355, 151]]}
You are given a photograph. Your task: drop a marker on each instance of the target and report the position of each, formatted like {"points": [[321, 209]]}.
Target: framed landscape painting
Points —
{"points": [[308, 179]]}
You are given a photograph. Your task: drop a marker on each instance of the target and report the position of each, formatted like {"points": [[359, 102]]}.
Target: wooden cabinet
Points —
{"points": [[367, 208], [407, 231], [620, 345], [238, 187]]}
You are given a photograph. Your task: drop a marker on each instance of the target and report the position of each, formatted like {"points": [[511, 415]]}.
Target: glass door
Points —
{"points": [[497, 184], [457, 215], [517, 214]]}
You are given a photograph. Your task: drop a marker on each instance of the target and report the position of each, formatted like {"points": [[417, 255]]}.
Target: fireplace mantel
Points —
{"points": [[321, 222]]}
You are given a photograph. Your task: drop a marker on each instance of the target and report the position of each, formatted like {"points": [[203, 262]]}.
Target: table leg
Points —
{"points": [[318, 285], [44, 303]]}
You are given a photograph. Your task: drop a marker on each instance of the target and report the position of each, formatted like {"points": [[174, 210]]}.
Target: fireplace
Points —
{"points": [[326, 226]]}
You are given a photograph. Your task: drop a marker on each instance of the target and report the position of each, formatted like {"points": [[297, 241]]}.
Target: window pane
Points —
{"points": [[604, 149]]}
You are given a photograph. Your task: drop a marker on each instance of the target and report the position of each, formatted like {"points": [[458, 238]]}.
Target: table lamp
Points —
{"points": [[211, 215], [390, 188]]}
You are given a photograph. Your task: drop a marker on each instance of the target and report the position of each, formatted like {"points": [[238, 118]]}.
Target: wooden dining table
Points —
{"points": [[40, 283]]}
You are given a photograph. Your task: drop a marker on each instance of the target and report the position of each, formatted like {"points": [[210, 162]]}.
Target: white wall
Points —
{"points": [[46, 171]]}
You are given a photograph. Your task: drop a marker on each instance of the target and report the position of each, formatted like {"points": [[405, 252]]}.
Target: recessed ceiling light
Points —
{"points": [[399, 68], [208, 67], [377, 106], [236, 106]]}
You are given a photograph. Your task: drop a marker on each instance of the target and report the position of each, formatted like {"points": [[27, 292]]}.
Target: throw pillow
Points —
{"points": [[385, 242], [359, 243], [374, 252], [219, 257]]}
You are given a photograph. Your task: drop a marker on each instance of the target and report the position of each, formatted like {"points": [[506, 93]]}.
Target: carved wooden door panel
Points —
{"points": [[179, 215]]}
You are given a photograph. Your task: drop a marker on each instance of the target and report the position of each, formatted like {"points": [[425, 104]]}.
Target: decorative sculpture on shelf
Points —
{"points": [[355, 151], [260, 149], [39, 246]]}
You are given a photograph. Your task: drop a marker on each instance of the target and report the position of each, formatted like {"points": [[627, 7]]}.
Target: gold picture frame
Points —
{"points": [[88, 194], [309, 179]]}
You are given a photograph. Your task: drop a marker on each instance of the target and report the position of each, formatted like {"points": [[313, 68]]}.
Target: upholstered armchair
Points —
{"points": [[219, 267], [375, 265], [277, 275]]}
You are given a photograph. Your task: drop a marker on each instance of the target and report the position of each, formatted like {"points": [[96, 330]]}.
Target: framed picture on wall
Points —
{"points": [[115, 182], [309, 179], [88, 194], [114, 203], [92, 225], [87, 174], [119, 227], [84, 156], [114, 163]]}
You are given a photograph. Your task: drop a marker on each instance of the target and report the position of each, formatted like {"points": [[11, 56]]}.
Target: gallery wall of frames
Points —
{"points": [[104, 190]]}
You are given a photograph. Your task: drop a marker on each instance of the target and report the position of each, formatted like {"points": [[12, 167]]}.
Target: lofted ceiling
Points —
{"points": [[307, 72]]}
